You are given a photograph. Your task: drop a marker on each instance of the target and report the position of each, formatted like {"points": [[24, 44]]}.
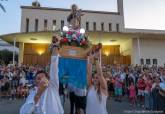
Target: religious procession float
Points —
{"points": [[74, 42], [74, 47]]}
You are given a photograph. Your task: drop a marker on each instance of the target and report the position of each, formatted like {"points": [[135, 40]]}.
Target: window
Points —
{"points": [[117, 27], [148, 62], [142, 61], [45, 25], [155, 61], [87, 26], [62, 24], [36, 25], [27, 25], [110, 27], [102, 26], [94, 26], [54, 24]]}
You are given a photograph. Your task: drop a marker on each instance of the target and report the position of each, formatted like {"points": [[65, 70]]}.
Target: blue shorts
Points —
{"points": [[118, 91]]}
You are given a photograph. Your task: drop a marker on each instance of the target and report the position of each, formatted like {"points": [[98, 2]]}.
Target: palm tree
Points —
{"points": [[2, 7]]}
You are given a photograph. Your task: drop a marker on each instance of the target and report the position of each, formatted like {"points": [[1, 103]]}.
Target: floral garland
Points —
{"points": [[74, 38]]}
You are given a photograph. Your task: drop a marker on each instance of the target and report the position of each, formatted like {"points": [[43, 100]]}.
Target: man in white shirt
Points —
{"points": [[44, 99]]}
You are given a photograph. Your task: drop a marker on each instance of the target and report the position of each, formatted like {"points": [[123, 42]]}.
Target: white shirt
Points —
{"points": [[49, 102], [23, 81], [94, 105]]}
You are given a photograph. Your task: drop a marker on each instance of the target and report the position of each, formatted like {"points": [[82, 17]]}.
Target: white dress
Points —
{"points": [[94, 106], [49, 102]]}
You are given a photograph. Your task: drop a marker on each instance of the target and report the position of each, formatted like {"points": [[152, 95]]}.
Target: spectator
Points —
{"points": [[110, 84], [148, 83], [155, 90], [132, 94], [118, 88], [141, 88], [13, 93]]}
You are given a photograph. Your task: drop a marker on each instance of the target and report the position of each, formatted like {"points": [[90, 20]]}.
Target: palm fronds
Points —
{"points": [[2, 7]]}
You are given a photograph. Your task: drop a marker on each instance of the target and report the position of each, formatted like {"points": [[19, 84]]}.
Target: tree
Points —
{"points": [[2, 7], [7, 56], [36, 4]]}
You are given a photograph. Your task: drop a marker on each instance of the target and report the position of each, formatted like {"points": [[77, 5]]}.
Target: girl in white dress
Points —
{"points": [[97, 90], [44, 99]]}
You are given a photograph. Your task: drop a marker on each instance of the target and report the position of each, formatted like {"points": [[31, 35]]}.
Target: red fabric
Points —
{"points": [[141, 84], [132, 91]]}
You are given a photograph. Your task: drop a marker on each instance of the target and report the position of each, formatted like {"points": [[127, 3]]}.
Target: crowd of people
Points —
{"points": [[15, 81], [142, 85]]}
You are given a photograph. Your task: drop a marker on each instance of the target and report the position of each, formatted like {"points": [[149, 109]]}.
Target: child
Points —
{"points": [[13, 93], [118, 89], [132, 94]]}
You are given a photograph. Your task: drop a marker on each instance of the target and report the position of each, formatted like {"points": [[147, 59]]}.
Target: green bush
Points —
{"points": [[7, 56]]}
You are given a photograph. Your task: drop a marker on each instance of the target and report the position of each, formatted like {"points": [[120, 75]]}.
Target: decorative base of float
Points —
{"points": [[73, 52]]}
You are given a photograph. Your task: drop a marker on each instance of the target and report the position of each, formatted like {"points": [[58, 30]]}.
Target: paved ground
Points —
{"points": [[12, 107]]}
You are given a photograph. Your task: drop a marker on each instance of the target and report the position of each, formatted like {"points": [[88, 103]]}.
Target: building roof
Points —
{"points": [[3, 43], [6, 46], [63, 9], [144, 31], [104, 37]]}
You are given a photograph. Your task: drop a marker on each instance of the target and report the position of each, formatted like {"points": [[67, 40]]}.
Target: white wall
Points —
{"points": [[150, 49], [52, 14]]}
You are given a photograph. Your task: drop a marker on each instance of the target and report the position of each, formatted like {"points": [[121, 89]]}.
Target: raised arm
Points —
{"points": [[102, 80], [54, 69], [89, 71]]}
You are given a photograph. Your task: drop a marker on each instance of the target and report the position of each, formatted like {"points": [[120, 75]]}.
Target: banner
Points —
{"points": [[73, 71]]}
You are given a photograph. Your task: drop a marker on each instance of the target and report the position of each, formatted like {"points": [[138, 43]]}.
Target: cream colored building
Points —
{"points": [[38, 23]]}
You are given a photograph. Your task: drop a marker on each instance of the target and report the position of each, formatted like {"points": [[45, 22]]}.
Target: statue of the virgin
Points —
{"points": [[74, 18]]}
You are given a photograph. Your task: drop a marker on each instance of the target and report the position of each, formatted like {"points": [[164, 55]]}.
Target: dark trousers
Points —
{"points": [[161, 103], [80, 103], [72, 102]]}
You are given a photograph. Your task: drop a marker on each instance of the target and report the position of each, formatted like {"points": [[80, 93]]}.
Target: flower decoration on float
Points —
{"points": [[74, 37]]}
